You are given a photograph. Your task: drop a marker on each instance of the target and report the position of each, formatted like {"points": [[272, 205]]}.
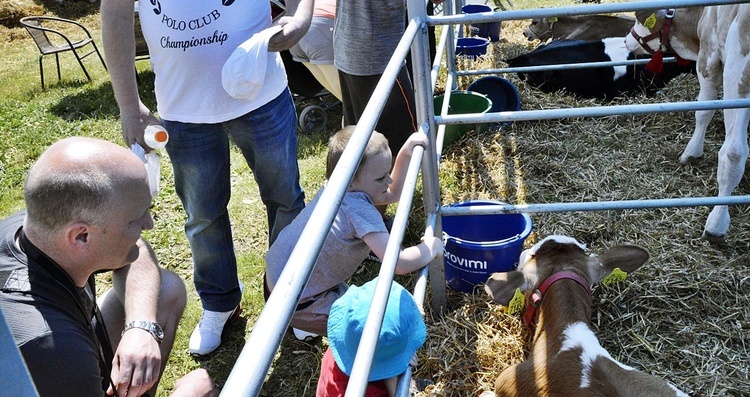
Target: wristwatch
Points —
{"points": [[153, 328]]}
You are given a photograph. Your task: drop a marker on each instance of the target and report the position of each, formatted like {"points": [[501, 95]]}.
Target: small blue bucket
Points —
{"points": [[478, 245], [471, 46], [490, 30]]}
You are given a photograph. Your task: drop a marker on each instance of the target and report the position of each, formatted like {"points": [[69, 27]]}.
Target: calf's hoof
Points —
{"points": [[684, 160], [715, 239]]}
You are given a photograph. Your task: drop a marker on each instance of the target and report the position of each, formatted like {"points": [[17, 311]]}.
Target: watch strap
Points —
{"points": [[152, 327]]}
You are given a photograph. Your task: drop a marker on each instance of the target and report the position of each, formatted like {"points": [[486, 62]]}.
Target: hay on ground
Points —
{"points": [[684, 316]]}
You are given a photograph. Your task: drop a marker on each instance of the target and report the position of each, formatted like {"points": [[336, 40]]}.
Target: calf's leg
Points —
{"points": [[732, 157], [733, 153], [694, 149]]}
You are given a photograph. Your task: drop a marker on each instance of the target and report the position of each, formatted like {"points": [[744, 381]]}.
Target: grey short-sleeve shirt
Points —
{"points": [[343, 250]]}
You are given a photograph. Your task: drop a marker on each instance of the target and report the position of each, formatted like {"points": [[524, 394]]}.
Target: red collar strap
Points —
{"points": [[662, 34], [656, 64], [538, 294]]}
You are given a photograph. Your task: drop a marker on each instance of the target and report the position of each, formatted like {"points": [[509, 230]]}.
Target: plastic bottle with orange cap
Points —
{"points": [[155, 137]]}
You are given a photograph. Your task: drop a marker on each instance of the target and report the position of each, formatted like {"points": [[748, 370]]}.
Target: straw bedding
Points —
{"points": [[684, 316]]}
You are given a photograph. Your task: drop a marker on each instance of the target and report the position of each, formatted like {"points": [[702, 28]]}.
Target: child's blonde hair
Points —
{"points": [[377, 143]]}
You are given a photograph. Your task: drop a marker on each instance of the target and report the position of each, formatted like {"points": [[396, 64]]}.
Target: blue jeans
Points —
{"points": [[267, 138]]}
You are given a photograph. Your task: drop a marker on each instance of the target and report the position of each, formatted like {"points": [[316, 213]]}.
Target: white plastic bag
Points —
{"points": [[151, 162]]}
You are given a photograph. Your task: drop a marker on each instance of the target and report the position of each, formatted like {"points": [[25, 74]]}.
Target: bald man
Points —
{"points": [[87, 202]]}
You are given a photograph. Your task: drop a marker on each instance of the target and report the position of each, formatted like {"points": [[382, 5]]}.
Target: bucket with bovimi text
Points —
{"points": [[478, 245]]}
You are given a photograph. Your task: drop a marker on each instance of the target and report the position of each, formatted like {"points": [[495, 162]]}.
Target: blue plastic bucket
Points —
{"points": [[490, 30], [501, 92], [471, 46], [478, 245]]}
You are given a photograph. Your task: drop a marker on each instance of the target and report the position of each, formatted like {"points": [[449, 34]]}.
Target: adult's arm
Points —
{"points": [[294, 24], [137, 362], [119, 48]]}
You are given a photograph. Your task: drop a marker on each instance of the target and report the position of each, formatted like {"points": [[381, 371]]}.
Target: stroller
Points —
{"points": [[304, 87]]}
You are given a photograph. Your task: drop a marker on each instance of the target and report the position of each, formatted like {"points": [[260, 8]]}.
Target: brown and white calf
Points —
{"points": [[718, 38], [578, 27], [566, 358]]}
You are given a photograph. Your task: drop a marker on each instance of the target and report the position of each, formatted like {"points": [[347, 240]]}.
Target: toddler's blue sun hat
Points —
{"points": [[402, 333]]}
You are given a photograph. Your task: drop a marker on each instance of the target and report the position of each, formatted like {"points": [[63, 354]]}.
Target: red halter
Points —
{"points": [[662, 34], [656, 64], [538, 294]]}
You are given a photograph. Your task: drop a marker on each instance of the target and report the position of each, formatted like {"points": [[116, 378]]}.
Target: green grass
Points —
{"points": [[31, 119]]}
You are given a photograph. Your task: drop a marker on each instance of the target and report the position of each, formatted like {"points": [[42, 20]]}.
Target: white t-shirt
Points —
{"points": [[189, 41]]}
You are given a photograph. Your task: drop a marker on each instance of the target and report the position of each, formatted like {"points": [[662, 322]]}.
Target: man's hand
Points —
{"points": [[137, 364], [134, 125], [196, 383], [293, 25]]}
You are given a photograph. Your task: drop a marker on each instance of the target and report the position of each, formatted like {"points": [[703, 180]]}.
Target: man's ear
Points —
{"points": [[77, 235], [502, 286]]}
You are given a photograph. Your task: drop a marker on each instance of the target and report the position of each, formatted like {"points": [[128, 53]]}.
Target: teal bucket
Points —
{"points": [[478, 245], [462, 102]]}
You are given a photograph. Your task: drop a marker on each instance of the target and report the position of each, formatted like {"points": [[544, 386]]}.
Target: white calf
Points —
{"points": [[718, 38]]}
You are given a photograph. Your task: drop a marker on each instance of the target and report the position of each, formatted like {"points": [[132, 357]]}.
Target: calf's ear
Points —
{"points": [[627, 258], [501, 286]]}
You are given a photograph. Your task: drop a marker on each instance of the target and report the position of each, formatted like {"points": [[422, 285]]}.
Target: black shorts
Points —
{"points": [[398, 120]]}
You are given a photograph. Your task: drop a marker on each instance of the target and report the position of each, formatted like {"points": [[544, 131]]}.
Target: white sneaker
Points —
{"points": [[303, 335], [206, 336]]}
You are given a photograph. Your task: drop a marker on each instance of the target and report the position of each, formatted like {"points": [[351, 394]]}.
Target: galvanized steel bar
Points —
{"points": [[595, 206], [420, 287], [366, 350], [443, 110], [440, 49], [371, 331], [594, 111], [403, 384], [423, 92], [485, 17], [561, 66]]}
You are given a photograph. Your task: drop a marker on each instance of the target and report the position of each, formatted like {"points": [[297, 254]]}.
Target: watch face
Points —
{"points": [[156, 330]]}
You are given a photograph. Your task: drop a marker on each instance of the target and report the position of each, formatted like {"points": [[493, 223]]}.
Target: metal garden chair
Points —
{"points": [[51, 40]]}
